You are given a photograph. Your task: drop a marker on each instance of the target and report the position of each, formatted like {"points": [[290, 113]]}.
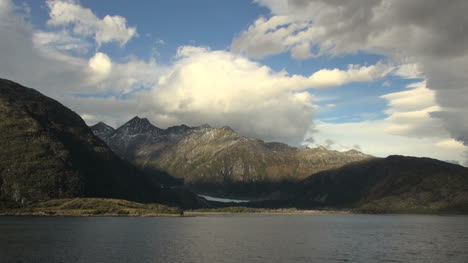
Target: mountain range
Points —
{"points": [[48, 152], [219, 160]]}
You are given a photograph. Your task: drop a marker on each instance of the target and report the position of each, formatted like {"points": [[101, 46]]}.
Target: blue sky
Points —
{"points": [[163, 26], [299, 71], [207, 23]]}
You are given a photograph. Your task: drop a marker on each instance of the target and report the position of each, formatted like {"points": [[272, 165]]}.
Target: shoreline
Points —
{"points": [[189, 213], [272, 212], [212, 213]]}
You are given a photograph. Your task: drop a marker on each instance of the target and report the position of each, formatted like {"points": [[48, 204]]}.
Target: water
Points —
{"points": [[223, 200], [236, 238]]}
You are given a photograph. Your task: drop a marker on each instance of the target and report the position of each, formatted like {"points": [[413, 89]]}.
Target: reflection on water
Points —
{"points": [[236, 238], [223, 200]]}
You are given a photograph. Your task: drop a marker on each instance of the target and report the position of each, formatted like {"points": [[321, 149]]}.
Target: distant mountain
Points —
{"points": [[392, 184], [47, 151], [219, 160], [103, 130]]}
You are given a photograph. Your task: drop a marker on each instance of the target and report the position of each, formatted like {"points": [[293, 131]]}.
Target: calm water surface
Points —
{"points": [[236, 238]]}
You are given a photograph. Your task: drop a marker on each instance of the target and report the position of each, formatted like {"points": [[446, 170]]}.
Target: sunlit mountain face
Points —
{"points": [[219, 161]]}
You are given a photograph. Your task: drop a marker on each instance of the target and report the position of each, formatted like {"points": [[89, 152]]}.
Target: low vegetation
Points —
{"points": [[93, 207]]}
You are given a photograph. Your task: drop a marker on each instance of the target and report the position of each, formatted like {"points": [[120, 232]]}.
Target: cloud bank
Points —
{"points": [[200, 86], [430, 35]]}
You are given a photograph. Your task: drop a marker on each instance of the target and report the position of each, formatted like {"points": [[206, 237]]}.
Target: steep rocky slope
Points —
{"points": [[392, 184], [219, 160], [47, 151]]}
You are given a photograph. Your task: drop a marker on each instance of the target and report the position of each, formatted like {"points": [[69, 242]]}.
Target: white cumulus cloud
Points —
{"points": [[100, 63], [222, 88], [85, 23], [428, 38]]}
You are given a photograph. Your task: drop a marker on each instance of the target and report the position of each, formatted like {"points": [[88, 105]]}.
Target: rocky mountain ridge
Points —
{"points": [[210, 159]]}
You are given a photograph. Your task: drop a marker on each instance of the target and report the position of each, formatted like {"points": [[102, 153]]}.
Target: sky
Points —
{"points": [[380, 76]]}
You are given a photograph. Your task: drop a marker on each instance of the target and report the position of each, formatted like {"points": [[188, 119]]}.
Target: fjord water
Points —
{"points": [[236, 238]]}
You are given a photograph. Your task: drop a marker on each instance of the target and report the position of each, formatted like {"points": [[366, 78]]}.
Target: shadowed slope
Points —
{"points": [[47, 151], [392, 184]]}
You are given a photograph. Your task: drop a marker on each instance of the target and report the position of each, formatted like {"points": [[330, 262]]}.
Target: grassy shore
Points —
{"points": [[92, 207], [117, 207]]}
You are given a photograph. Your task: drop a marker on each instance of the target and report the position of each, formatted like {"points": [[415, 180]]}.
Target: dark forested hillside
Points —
{"points": [[392, 184], [47, 151]]}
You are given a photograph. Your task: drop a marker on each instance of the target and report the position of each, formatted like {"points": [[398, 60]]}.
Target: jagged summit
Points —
{"points": [[137, 121], [102, 126], [102, 130], [138, 125]]}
